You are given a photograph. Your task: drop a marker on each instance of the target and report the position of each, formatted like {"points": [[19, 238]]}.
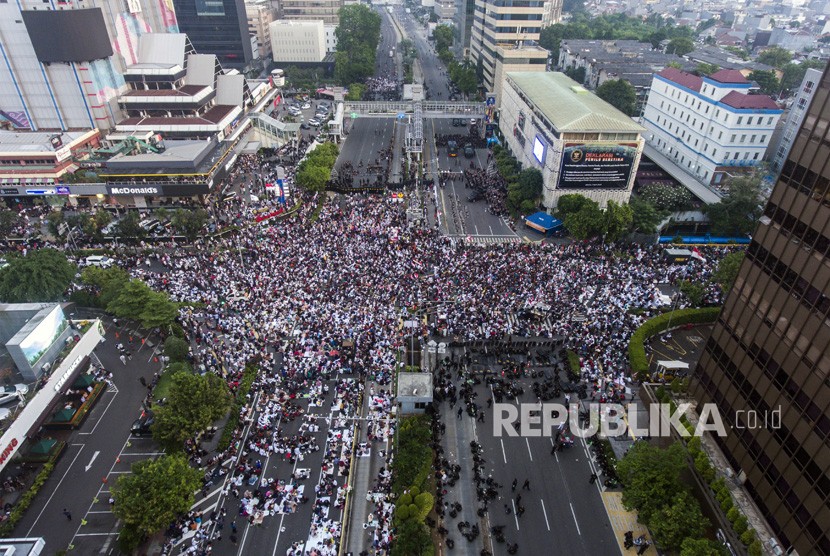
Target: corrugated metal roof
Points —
{"points": [[558, 97]]}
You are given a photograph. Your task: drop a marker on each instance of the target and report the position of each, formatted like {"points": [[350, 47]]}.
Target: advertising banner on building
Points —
{"points": [[596, 165]]}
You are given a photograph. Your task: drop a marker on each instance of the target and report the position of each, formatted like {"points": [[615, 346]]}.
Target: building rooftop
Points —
{"points": [[22, 142], [183, 91], [209, 118], [569, 106], [682, 78], [414, 385], [729, 76], [757, 102]]}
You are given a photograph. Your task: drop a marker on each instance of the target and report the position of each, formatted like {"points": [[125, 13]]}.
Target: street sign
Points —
{"points": [[354, 115], [401, 115]]}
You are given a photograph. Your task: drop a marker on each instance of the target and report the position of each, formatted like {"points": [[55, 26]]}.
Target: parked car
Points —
{"points": [[314, 121], [99, 260], [304, 125], [141, 426], [306, 106], [12, 393]]}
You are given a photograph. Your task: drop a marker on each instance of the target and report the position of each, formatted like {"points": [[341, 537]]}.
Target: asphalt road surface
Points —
{"points": [[436, 80], [458, 216], [387, 66], [366, 138]]}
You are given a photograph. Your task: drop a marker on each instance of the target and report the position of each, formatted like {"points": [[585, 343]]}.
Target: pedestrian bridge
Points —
{"points": [[429, 109]]}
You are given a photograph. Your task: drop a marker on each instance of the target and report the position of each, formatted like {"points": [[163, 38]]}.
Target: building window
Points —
{"points": [[733, 138], [769, 121], [735, 156], [749, 121], [763, 138], [740, 119], [743, 138], [746, 155], [752, 139], [756, 156], [720, 135], [420, 405], [726, 156]]}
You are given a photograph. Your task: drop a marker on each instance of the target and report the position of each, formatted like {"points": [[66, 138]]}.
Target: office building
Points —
{"points": [[218, 27], [504, 37], [579, 142], [463, 27], [769, 351], [62, 69], [260, 15], [326, 11], [298, 41], [712, 127], [798, 109]]}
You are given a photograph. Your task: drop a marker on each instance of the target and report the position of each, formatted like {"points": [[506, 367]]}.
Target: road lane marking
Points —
{"points": [[503, 453], [514, 514], [544, 511], [528, 449], [575, 521], [46, 505], [94, 457]]}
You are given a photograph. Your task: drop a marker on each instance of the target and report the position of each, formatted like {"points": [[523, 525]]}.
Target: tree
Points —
{"points": [[571, 203], [443, 37], [577, 74], [793, 74], [738, 212], [620, 94], [412, 539], [8, 220], [194, 402], [651, 477], [53, 220], [128, 226], [706, 69], [159, 311], [523, 194], [155, 493], [358, 35], [93, 225], [107, 282], [699, 547], [645, 217], [356, 91], [189, 222], [775, 56], [677, 521], [464, 76], [176, 349], [573, 6], [131, 300], [312, 177], [766, 81], [42, 275], [727, 270], [618, 219], [586, 223], [680, 46], [694, 292]]}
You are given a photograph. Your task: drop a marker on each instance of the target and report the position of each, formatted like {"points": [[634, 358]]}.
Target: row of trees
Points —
{"points": [[358, 36], [618, 26], [314, 171], [113, 290], [585, 220], [523, 187]]}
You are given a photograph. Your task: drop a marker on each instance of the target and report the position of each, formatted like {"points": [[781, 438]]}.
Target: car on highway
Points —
{"points": [[452, 148], [475, 196], [469, 151], [12, 392], [473, 121], [141, 426]]}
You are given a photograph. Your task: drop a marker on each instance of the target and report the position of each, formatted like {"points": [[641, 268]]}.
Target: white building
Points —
{"points": [[260, 15], [298, 41], [796, 116], [62, 69], [579, 142], [331, 38], [414, 392], [711, 127]]}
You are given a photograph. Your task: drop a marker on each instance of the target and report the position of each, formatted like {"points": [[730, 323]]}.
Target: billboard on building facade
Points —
{"points": [[596, 165]]}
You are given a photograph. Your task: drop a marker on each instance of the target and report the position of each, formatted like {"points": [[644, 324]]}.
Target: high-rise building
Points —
{"points": [[218, 27], [260, 16], [505, 35], [712, 126], [768, 351], [298, 41], [463, 27], [62, 69], [798, 110], [326, 11]]}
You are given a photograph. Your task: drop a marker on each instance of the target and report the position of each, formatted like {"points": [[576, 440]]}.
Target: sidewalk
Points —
{"points": [[623, 520]]}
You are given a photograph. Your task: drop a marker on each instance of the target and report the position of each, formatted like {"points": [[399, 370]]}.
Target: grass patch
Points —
{"points": [[573, 364], [636, 345]]}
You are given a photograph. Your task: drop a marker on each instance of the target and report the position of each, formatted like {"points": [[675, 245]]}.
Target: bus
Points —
{"points": [[452, 148], [278, 77]]}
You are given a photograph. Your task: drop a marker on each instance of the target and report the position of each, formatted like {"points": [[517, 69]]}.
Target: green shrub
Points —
{"points": [[693, 445], [636, 345], [402, 512], [755, 549], [704, 467], [748, 537], [248, 377], [740, 525], [26, 500], [726, 504], [405, 499], [573, 364], [424, 503], [733, 514]]}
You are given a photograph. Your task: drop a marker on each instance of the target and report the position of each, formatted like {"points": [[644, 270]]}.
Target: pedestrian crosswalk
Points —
{"points": [[489, 239]]}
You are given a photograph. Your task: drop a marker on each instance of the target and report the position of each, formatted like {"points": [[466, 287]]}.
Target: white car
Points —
{"points": [[306, 106], [10, 393], [314, 121], [99, 260]]}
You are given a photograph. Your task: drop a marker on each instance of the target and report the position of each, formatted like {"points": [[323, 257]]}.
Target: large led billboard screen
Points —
{"points": [[596, 165], [44, 335]]}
